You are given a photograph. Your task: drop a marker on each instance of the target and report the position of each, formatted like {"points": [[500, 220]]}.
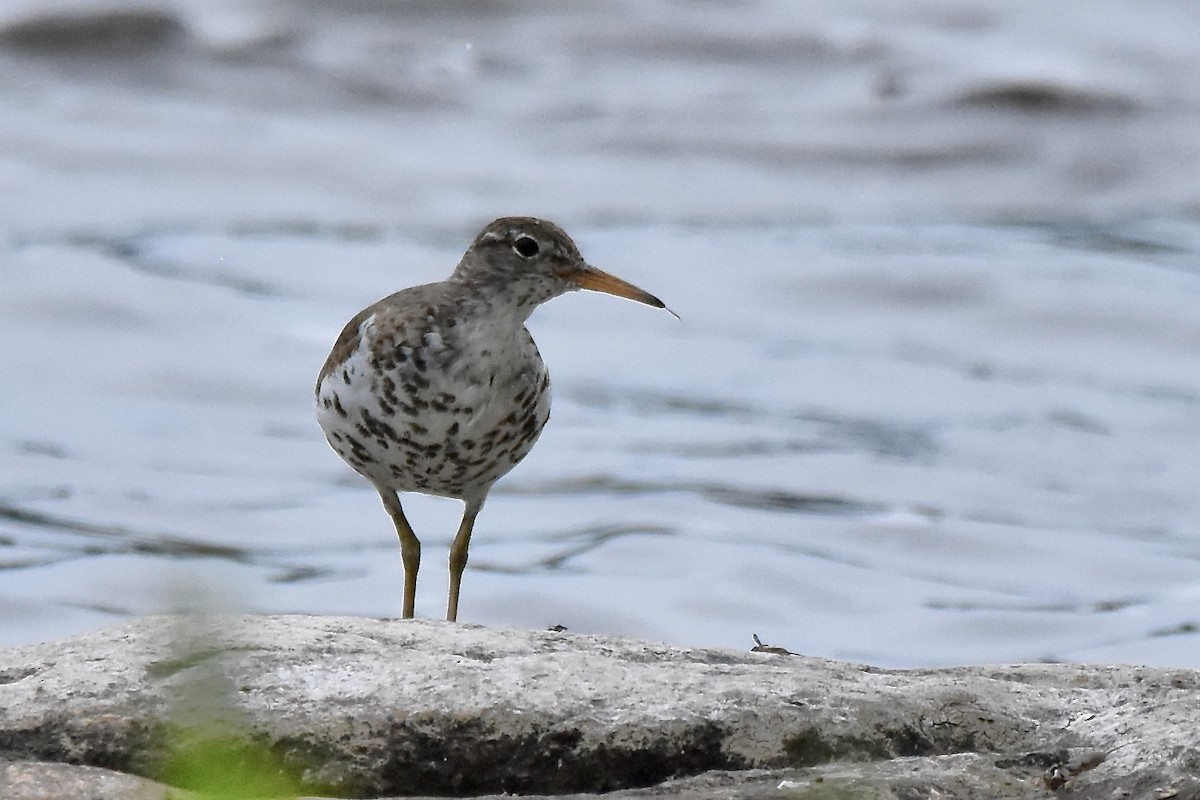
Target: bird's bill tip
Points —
{"points": [[597, 280]]}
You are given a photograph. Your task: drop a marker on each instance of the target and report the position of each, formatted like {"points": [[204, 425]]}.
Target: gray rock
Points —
{"points": [[36, 780], [367, 708]]}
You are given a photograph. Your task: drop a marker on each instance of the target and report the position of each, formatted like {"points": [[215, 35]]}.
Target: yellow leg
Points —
{"points": [[458, 555], [410, 548]]}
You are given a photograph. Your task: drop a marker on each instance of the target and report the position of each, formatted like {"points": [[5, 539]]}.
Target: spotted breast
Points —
{"points": [[418, 398]]}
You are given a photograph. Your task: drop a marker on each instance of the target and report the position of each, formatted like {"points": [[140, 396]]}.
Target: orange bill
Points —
{"points": [[600, 281]]}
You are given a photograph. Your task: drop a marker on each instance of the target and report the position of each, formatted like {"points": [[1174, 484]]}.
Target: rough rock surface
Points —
{"points": [[371, 708]]}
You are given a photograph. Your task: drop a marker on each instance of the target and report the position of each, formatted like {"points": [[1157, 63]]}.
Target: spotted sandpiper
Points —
{"points": [[439, 388]]}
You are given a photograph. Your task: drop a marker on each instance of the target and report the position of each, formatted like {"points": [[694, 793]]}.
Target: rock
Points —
{"points": [[367, 708], [35, 780]]}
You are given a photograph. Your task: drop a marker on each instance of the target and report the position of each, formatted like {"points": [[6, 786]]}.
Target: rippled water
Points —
{"points": [[933, 398]]}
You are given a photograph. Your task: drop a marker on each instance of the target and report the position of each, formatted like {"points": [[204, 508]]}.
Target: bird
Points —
{"points": [[439, 389]]}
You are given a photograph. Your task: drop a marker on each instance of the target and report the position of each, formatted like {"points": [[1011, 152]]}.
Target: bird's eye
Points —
{"points": [[526, 246]]}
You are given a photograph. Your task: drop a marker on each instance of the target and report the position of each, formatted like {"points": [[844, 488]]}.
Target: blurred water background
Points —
{"points": [[935, 393]]}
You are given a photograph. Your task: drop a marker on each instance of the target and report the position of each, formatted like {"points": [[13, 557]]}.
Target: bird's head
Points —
{"points": [[531, 260]]}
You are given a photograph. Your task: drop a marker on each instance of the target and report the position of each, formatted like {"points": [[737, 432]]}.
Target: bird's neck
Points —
{"points": [[512, 300]]}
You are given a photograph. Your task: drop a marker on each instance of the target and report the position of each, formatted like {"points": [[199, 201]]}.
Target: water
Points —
{"points": [[933, 397]]}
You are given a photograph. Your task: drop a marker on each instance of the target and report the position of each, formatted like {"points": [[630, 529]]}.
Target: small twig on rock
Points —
{"points": [[759, 647]]}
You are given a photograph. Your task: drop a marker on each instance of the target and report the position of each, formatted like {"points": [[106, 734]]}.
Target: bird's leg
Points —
{"points": [[458, 555], [410, 548]]}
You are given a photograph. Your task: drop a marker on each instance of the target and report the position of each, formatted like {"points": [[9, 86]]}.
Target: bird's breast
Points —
{"points": [[443, 411]]}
